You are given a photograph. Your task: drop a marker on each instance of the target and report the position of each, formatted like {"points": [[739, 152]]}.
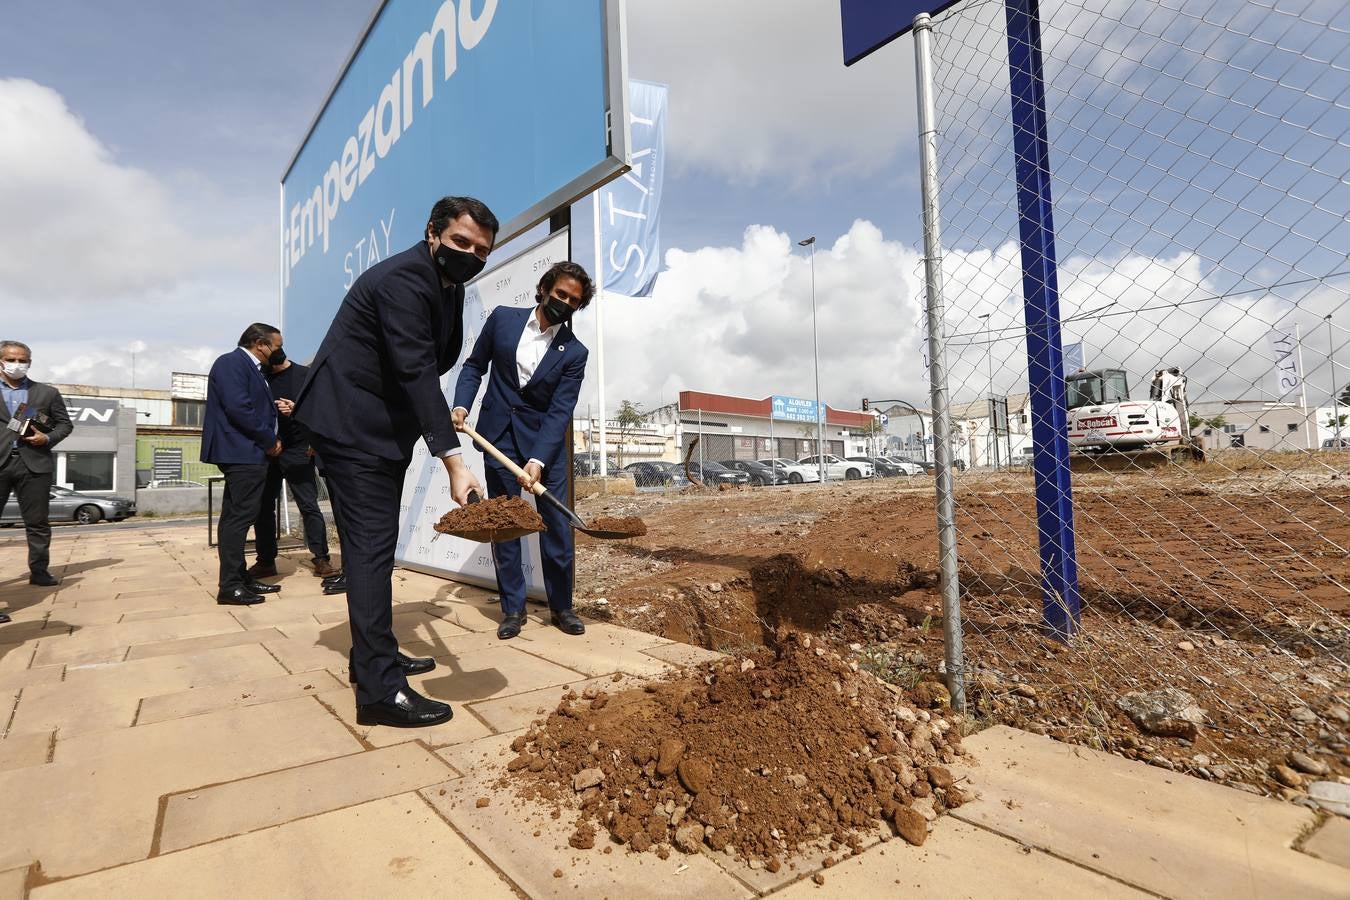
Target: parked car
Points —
{"points": [[173, 483], [925, 464], [795, 472], [712, 474], [885, 468], [836, 468], [759, 473], [655, 473], [585, 465], [72, 506], [1330, 443]]}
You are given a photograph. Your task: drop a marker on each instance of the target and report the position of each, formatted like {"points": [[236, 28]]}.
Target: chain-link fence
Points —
{"points": [[1199, 166]]}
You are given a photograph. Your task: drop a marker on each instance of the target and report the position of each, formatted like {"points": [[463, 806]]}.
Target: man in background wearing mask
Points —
{"points": [[295, 466], [34, 418], [526, 412], [373, 391], [239, 435]]}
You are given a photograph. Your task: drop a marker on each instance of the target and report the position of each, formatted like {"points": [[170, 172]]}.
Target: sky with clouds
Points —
{"points": [[141, 145]]}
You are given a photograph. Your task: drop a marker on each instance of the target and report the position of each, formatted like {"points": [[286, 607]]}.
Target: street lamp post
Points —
{"points": [[815, 352], [991, 441], [1335, 401]]}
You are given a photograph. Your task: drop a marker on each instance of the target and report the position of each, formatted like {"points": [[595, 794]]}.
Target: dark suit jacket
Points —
{"points": [[537, 413], [46, 399], [375, 382], [240, 424]]}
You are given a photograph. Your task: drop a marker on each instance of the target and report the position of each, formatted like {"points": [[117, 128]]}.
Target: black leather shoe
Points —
{"points": [[262, 587], [414, 665], [510, 626], [238, 597], [409, 664], [337, 585], [4, 618], [408, 709], [568, 622], [45, 579], [329, 579]]}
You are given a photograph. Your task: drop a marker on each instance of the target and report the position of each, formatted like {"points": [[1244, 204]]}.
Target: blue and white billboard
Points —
{"points": [[1074, 360], [795, 409], [509, 101], [630, 207]]}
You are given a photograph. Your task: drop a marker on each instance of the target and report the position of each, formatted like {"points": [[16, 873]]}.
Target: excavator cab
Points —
{"points": [[1098, 387]]}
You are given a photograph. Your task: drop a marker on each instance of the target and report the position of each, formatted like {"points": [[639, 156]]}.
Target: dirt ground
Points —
{"points": [[1229, 580]]}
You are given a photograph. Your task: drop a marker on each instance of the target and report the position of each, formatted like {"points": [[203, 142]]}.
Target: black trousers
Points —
{"points": [[336, 506], [34, 492], [366, 491], [244, 484], [305, 489]]}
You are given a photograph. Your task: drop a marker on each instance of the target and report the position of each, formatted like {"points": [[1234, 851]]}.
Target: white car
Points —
{"points": [[836, 468], [796, 473]]}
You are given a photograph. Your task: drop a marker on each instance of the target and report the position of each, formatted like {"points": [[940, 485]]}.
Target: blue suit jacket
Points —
{"points": [[534, 415], [240, 424]]}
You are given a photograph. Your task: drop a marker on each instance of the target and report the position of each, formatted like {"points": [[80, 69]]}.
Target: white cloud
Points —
{"points": [[77, 222], [737, 320], [101, 256], [759, 88]]}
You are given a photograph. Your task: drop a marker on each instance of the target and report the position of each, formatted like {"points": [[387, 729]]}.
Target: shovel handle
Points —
{"points": [[538, 489]]}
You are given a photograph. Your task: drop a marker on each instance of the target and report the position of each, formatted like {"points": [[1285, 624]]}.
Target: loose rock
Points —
{"points": [[1170, 712]]}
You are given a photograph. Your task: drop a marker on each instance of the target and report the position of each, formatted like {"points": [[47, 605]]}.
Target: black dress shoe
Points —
{"points": [[568, 622], [238, 597], [407, 709], [45, 579], [510, 626], [336, 585], [409, 664], [261, 587], [4, 617], [329, 579]]}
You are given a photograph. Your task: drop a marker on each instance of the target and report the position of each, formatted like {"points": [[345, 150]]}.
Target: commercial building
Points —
{"points": [[125, 438], [740, 428]]}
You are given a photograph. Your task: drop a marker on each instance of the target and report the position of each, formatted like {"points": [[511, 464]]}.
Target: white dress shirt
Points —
{"points": [[533, 347], [530, 351]]}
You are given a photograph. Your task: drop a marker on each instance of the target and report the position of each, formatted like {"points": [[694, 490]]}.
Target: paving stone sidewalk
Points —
{"points": [[156, 744]]}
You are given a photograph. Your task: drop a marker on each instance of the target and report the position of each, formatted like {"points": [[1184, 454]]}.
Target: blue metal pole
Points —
{"points": [[1040, 287]]}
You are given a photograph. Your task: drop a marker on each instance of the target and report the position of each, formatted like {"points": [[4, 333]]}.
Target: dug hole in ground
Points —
{"points": [[1214, 597]]}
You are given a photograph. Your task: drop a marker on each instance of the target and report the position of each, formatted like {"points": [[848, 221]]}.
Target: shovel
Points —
{"points": [[542, 492], [487, 535]]}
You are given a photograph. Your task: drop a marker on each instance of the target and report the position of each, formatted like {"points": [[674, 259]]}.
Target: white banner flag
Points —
{"points": [[1286, 374]]}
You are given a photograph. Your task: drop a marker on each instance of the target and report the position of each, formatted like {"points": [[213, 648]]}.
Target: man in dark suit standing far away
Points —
{"points": [[373, 390], [239, 434], [295, 466], [34, 418]]}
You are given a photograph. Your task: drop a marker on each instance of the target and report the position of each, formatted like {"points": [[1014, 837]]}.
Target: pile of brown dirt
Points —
{"points": [[763, 756], [622, 524], [492, 514]]}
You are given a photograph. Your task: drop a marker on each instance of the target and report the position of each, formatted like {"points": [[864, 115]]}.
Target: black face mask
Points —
{"points": [[556, 311], [277, 357], [456, 265]]}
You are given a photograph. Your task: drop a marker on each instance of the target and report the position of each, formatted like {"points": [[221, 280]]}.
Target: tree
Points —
{"points": [[1213, 422], [629, 416], [871, 430], [1337, 421]]}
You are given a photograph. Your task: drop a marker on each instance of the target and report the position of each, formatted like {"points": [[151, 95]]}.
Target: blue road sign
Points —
{"points": [[869, 25]]}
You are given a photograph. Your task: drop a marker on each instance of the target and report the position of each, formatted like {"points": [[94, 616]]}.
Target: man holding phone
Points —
{"points": [[35, 420]]}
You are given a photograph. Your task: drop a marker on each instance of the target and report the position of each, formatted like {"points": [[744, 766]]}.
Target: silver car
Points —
{"points": [[71, 506]]}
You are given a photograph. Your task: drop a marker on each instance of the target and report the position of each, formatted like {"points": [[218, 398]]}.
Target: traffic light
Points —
{"points": [[865, 404]]}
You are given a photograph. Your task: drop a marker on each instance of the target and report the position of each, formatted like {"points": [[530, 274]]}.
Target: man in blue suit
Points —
{"points": [[239, 434], [535, 366]]}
